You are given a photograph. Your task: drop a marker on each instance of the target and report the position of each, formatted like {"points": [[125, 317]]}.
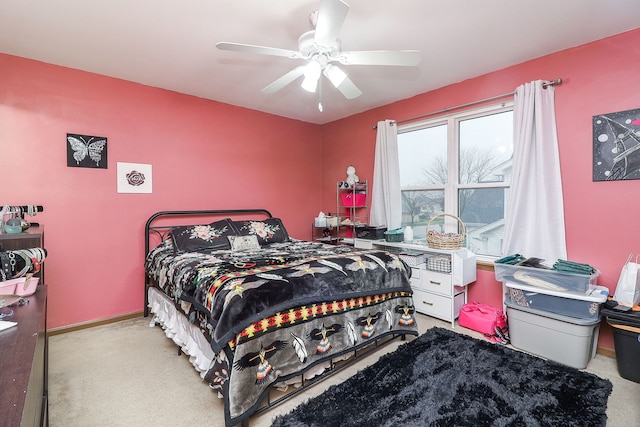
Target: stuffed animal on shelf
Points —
{"points": [[352, 178]]}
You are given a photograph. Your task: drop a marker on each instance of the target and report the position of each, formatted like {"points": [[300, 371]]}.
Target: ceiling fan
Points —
{"points": [[320, 48]]}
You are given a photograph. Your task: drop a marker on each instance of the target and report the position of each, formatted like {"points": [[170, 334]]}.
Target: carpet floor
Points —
{"points": [[128, 374], [448, 379]]}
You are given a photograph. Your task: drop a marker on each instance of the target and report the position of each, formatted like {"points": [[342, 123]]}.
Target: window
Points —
{"points": [[459, 164]]}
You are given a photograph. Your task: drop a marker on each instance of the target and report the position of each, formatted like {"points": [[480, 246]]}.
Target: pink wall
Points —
{"points": [[601, 217], [95, 235], [204, 155]]}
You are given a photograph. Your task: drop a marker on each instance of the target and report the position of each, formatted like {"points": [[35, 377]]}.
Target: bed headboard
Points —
{"points": [[161, 223]]}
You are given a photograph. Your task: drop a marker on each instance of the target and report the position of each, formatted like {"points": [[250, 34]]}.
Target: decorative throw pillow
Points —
{"points": [[212, 236], [267, 231], [244, 243]]}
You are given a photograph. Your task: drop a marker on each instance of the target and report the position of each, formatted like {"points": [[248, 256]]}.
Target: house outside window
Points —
{"points": [[459, 164]]}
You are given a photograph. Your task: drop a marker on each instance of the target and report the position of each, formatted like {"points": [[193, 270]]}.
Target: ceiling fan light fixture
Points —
{"points": [[320, 47], [335, 75], [311, 75]]}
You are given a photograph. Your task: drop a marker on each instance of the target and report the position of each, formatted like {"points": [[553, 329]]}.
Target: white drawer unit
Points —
{"points": [[438, 283], [442, 307], [439, 277]]}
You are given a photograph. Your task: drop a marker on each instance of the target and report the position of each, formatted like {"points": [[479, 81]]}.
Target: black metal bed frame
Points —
{"points": [[162, 231], [268, 403]]}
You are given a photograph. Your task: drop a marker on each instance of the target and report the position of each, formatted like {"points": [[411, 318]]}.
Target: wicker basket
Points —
{"points": [[436, 240]]}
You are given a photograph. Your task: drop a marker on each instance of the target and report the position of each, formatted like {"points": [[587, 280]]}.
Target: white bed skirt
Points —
{"points": [[185, 334]]}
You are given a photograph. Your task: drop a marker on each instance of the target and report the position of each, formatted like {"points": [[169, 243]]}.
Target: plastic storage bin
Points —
{"points": [[396, 235], [563, 339], [22, 286], [370, 233], [8, 287], [26, 286], [579, 305], [546, 279]]}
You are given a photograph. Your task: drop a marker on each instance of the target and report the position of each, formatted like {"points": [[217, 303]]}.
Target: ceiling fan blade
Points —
{"points": [[284, 80], [262, 50], [331, 16], [349, 89], [404, 58]]}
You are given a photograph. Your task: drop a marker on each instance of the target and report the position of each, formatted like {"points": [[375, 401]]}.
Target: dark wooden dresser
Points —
{"points": [[24, 349], [23, 364]]}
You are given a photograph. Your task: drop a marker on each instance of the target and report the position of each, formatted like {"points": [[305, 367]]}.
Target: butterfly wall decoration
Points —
{"points": [[85, 151]]}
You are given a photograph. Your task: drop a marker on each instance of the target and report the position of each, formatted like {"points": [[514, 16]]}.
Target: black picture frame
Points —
{"points": [[616, 146], [86, 151]]}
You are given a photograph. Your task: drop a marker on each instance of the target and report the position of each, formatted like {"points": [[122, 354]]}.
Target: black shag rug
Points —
{"points": [[443, 378]]}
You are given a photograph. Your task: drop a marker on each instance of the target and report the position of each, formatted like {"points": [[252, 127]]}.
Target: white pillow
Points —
{"points": [[244, 243]]}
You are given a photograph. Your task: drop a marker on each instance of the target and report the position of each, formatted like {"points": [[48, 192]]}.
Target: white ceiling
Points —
{"points": [[171, 43]]}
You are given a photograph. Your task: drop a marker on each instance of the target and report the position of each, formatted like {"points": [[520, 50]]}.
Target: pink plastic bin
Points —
{"points": [[8, 287], [24, 286], [355, 200]]}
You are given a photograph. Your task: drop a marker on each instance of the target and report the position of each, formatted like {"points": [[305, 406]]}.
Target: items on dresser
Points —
{"points": [[12, 219], [13, 226], [31, 210], [20, 262], [23, 286], [22, 254]]}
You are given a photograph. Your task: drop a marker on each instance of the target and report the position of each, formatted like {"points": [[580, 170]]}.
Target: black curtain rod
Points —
{"points": [[468, 104]]}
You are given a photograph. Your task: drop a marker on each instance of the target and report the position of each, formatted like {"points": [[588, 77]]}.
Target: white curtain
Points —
{"points": [[386, 200], [534, 223]]}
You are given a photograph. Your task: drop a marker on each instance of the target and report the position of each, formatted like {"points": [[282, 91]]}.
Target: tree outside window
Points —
{"points": [[460, 164]]}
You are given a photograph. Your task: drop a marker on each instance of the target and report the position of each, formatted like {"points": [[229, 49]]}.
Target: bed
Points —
{"points": [[257, 310]]}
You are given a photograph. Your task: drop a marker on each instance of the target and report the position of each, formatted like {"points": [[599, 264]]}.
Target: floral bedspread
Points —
{"points": [[278, 311]]}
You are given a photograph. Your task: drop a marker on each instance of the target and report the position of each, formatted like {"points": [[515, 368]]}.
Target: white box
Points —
{"points": [[563, 339], [464, 267]]}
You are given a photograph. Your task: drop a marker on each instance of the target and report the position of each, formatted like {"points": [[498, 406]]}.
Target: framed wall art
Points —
{"points": [[134, 178], [616, 146], [86, 151]]}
